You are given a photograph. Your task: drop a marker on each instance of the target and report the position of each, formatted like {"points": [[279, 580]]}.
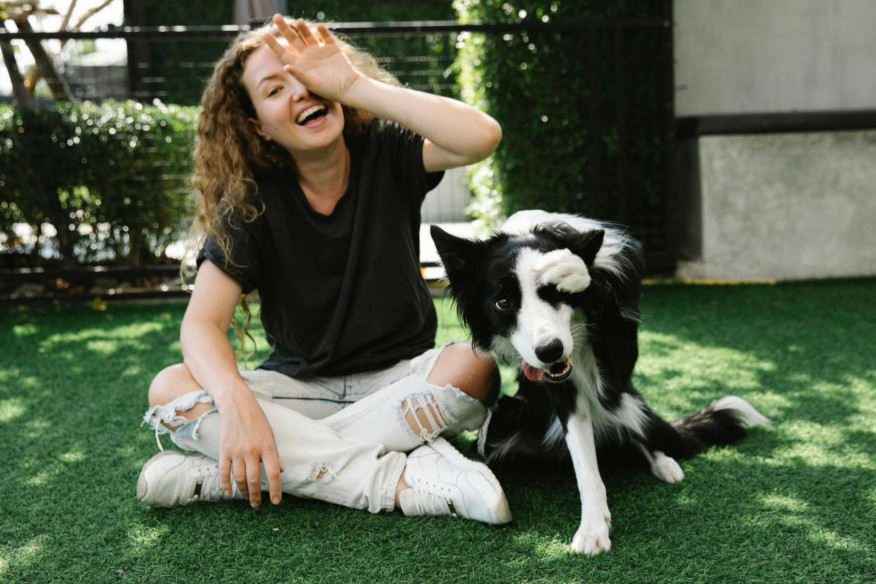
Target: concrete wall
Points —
{"points": [[786, 206], [447, 203], [780, 206], [755, 56]]}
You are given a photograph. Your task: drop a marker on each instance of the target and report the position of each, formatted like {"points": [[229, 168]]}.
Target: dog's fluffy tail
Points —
{"points": [[722, 422]]}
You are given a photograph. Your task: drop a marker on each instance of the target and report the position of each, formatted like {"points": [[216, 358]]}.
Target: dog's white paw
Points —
{"points": [[666, 468], [563, 269], [591, 539]]}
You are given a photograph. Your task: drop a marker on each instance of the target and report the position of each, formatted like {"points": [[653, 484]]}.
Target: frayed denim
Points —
{"points": [[340, 440]]}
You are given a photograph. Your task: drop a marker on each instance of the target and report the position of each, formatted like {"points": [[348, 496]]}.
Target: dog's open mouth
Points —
{"points": [[559, 371]]}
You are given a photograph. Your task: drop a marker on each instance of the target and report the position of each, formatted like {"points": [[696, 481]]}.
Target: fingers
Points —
{"points": [[254, 482], [325, 35], [286, 53], [225, 474], [276, 47], [292, 35], [247, 476], [238, 469], [305, 33], [299, 35], [272, 472]]}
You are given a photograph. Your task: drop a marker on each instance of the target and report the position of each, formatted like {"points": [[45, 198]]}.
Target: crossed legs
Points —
{"points": [[363, 441]]}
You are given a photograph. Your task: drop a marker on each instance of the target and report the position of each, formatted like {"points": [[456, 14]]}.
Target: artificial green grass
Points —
{"points": [[794, 502]]}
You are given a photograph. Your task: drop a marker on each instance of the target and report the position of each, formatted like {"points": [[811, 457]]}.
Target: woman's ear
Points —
{"points": [[257, 126]]}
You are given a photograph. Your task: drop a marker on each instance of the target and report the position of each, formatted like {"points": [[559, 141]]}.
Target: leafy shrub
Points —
{"points": [[584, 109], [112, 179]]}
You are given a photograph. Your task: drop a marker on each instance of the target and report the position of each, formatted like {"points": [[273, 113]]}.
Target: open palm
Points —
{"points": [[314, 59]]}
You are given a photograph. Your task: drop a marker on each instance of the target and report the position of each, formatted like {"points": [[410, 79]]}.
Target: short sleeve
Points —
{"points": [[407, 147], [242, 260]]}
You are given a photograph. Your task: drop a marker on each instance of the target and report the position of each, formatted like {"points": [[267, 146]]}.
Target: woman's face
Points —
{"points": [[287, 113]]}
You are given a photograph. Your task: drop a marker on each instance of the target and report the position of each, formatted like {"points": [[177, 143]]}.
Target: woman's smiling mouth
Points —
{"points": [[311, 114]]}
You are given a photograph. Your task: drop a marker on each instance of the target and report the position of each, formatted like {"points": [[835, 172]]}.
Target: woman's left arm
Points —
{"points": [[455, 134]]}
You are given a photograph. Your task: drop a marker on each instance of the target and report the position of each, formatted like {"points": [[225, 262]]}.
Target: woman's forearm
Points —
{"points": [[206, 349], [465, 134], [210, 357]]}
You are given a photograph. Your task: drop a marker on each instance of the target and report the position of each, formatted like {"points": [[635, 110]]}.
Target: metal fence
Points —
{"points": [[173, 65]]}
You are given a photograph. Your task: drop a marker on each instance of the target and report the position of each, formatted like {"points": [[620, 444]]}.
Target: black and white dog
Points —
{"points": [[559, 294]]}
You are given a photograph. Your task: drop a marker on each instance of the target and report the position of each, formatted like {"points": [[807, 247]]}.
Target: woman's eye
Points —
{"points": [[273, 91], [503, 304]]}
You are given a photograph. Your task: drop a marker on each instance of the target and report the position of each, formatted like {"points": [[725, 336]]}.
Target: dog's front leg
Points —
{"points": [[564, 269], [592, 536]]}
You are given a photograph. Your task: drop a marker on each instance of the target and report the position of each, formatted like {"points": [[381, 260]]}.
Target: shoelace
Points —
{"points": [[429, 504], [207, 485], [432, 498]]}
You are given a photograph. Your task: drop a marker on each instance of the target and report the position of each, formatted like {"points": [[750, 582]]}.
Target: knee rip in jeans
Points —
{"points": [[424, 416], [167, 418]]}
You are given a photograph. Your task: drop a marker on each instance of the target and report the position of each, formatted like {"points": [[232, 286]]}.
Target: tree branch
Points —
{"points": [[57, 84], [22, 96], [67, 16], [91, 13]]}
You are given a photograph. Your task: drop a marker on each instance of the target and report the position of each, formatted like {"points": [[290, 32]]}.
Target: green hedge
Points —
{"points": [[555, 92], [113, 179]]}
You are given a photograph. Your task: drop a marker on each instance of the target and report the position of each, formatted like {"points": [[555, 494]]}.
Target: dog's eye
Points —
{"points": [[503, 304]]}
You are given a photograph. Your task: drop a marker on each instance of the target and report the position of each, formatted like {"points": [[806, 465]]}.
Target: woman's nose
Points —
{"points": [[299, 91]]}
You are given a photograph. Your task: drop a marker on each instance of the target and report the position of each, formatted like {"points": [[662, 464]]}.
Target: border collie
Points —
{"points": [[559, 294]]}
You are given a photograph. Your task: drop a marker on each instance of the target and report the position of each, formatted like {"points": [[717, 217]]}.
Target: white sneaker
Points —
{"points": [[444, 482], [172, 479]]}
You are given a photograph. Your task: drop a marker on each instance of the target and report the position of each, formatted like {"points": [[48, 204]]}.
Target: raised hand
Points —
{"points": [[314, 58]]}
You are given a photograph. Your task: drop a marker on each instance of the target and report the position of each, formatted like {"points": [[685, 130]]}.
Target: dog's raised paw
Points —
{"points": [[591, 540], [564, 269]]}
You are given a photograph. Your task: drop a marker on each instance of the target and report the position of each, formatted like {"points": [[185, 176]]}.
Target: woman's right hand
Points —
{"points": [[314, 58], [247, 441], [246, 437]]}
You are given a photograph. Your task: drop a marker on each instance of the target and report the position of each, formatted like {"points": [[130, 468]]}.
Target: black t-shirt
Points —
{"points": [[340, 293]]}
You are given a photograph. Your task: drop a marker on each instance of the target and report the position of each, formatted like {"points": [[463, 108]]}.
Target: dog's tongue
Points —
{"points": [[532, 373]]}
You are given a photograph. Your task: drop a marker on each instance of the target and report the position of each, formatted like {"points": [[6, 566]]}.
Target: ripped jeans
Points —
{"points": [[340, 439]]}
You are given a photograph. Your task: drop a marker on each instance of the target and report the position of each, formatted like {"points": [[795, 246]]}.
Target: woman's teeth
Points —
{"points": [[310, 113]]}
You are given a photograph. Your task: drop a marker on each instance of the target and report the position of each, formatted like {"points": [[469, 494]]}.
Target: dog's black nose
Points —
{"points": [[550, 352]]}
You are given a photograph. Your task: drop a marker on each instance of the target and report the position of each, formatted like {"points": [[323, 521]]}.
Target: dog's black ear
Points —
{"points": [[588, 244], [584, 244], [459, 255]]}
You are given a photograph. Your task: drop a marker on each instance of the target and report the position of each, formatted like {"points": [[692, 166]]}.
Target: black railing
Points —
{"points": [[632, 175]]}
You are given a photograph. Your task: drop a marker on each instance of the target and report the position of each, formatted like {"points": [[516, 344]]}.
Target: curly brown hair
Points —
{"points": [[228, 149]]}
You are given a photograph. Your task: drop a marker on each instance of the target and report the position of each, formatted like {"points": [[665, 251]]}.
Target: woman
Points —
{"points": [[311, 166]]}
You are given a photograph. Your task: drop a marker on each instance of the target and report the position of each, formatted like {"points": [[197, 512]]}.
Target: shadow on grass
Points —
{"points": [[800, 346], [737, 517], [792, 502]]}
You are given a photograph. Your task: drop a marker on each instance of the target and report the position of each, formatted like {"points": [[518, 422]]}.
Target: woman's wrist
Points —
{"points": [[235, 396], [361, 94]]}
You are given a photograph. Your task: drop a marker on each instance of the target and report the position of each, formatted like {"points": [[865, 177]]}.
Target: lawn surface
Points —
{"points": [[794, 502]]}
